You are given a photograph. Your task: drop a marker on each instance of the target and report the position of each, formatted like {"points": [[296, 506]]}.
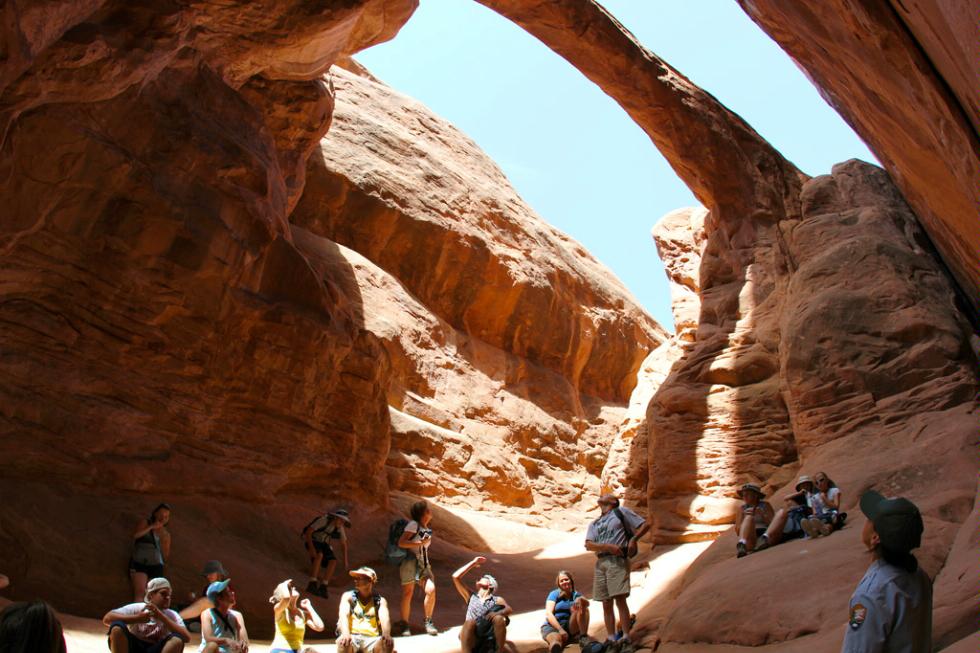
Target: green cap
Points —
{"points": [[897, 521]]}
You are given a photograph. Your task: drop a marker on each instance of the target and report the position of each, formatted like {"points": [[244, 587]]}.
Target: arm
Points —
{"points": [[280, 606], [126, 617], [164, 536], [507, 611], [242, 633], [343, 545], [142, 529], [635, 540], [549, 616], [384, 619], [405, 540], [600, 548], [207, 632], [171, 624], [313, 620], [462, 571], [343, 621], [832, 504]]}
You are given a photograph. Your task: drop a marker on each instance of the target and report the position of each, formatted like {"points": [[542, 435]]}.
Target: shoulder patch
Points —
{"points": [[858, 614]]}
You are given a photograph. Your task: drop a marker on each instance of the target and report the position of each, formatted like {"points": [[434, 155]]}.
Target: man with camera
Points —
{"points": [[613, 537]]}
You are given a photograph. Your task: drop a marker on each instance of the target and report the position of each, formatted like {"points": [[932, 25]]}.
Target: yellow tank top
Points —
{"points": [[289, 634], [364, 618]]}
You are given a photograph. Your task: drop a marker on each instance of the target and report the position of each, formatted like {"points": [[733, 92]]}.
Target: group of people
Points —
{"points": [[812, 511], [891, 609]]}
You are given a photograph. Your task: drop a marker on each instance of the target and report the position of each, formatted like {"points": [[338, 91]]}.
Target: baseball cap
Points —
{"points": [[155, 585], [897, 522], [216, 588], [367, 572]]}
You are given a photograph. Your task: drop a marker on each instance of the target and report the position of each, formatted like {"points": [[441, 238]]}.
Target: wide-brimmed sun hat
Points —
{"points": [[213, 567], [751, 487], [342, 513], [803, 479]]}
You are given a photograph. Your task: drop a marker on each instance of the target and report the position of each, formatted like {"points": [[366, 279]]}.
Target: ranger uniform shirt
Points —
{"points": [[890, 612]]}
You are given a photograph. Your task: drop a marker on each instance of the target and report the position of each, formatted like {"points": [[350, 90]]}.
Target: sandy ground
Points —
{"points": [[527, 552]]}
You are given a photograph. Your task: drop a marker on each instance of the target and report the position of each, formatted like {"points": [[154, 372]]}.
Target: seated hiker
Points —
{"points": [[149, 626], [485, 628], [292, 616], [319, 536], [31, 628], [825, 502], [566, 615], [755, 515], [363, 622], [223, 629], [787, 524], [191, 613]]}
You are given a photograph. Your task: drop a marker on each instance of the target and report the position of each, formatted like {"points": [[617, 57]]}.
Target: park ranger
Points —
{"points": [[891, 609]]}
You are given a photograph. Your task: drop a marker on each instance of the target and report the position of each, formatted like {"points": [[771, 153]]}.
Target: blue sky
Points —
{"points": [[570, 151]]}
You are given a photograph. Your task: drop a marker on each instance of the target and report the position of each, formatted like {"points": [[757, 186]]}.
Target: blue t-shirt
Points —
{"points": [[563, 606]]}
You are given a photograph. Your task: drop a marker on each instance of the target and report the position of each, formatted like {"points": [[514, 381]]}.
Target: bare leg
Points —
{"points": [[609, 617], [746, 532], [430, 598], [553, 640], [211, 647], [328, 572], [406, 604], [467, 636], [117, 641], [317, 561], [499, 630], [578, 623], [624, 615], [138, 579], [173, 645], [775, 531]]}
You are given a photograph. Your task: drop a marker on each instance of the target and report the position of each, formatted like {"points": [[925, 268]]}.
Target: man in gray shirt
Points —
{"points": [[613, 538], [891, 609]]}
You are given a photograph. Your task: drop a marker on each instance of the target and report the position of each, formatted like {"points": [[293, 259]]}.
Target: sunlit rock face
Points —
{"points": [[903, 73], [174, 328], [513, 351]]}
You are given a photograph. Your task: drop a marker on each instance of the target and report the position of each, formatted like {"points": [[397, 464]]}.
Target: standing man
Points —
{"points": [[147, 627], [891, 609], [613, 537], [363, 621]]}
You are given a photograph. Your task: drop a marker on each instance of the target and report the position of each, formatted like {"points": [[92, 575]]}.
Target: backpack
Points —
{"points": [[394, 554]]}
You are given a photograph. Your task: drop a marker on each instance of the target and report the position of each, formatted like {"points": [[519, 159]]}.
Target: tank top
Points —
{"points": [[289, 633], [146, 549], [364, 617], [221, 626]]}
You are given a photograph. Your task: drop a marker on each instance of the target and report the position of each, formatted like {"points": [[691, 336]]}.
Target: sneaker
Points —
{"points": [[323, 592], [406, 629], [742, 551], [431, 627], [841, 518], [763, 543], [312, 586]]}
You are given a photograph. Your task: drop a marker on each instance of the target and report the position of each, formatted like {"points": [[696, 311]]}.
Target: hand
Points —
{"points": [[613, 548], [478, 560], [631, 549], [750, 510], [389, 643], [344, 640], [143, 616], [157, 525], [563, 634], [306, 605]]}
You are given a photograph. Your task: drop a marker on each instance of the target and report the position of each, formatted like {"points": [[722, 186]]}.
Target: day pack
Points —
{"points": [[394, 554]]}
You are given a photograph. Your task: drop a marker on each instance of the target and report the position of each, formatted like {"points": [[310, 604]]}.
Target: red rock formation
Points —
{"points": [[904, 75]]}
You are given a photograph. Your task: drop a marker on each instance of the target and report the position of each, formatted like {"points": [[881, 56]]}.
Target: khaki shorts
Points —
{"points": [[410, 572], [612, 578]]}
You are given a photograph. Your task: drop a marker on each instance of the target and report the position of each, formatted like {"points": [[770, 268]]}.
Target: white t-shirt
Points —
{"points": [[153, 630], [817, 503], [418, 535]]}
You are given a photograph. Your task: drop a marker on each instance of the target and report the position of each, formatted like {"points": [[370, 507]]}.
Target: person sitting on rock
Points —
{"points": [[318, 536], [825, 502], [223, 629], [292, 616], [566, 615], [151, 547], [31, 628], [149, 626], [787, 524], [755, 516], [487, 615], [364, 622], [191, 613]]}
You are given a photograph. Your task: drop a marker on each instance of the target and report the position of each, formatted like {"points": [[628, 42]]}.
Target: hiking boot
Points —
{"points": [[763, 543], [583, 641], [430, 627], [312, 587], [323, 592], [742, 551], [810, 528], [406, 629], [841, 518]]}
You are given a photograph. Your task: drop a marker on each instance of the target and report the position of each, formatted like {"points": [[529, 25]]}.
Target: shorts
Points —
{"points": [[324, 548], [151, 571], [365, 644], [612, 578], [137, 645], [409, 571], [547, 629]]}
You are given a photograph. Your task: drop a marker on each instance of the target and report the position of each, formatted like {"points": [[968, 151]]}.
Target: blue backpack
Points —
{"points": [[394, 554]]}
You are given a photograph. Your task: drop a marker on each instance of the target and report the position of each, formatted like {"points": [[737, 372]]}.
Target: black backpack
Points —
{"points": [[394, 554]]}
